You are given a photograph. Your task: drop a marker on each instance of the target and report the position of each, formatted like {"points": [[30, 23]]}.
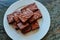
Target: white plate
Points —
{"points": [[44, 23]]}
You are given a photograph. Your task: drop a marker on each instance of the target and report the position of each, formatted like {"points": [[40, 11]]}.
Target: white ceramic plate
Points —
{"points": [[44, 23]]}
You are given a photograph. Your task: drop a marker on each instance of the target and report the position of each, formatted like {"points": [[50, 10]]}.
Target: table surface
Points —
{"points": [[53, 7]]}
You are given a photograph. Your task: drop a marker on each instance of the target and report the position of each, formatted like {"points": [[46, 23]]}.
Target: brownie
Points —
{"points": [[35, 16], [34, 25], [26, 30], [15, 26], [10, 18], [25, 15], [16, 18], [33, 7], [22, 26]]}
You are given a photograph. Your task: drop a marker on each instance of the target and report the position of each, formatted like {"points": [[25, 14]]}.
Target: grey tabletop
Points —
{"points": [[53, 7]]}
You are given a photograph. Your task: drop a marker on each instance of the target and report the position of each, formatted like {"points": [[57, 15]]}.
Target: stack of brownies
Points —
{"points": [[25, 19]]}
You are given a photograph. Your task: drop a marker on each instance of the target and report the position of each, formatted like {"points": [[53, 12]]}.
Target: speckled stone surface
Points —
{"points": [[53, 7]]}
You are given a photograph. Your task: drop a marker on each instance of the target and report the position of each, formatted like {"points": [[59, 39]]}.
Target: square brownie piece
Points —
{"points": [[33, 7], [16, 14], [34, 25], [26, 30], [10, 18], [15, 26], [22, 26], [25, 15], [35, 16]]}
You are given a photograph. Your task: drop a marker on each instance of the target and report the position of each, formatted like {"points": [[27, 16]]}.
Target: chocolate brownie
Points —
{"points": [[16, 18], [22, 26], [33, 7], [26, 30], [10, 18], [15, 26], [25, 15], [35, 16], [35, 25]]}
